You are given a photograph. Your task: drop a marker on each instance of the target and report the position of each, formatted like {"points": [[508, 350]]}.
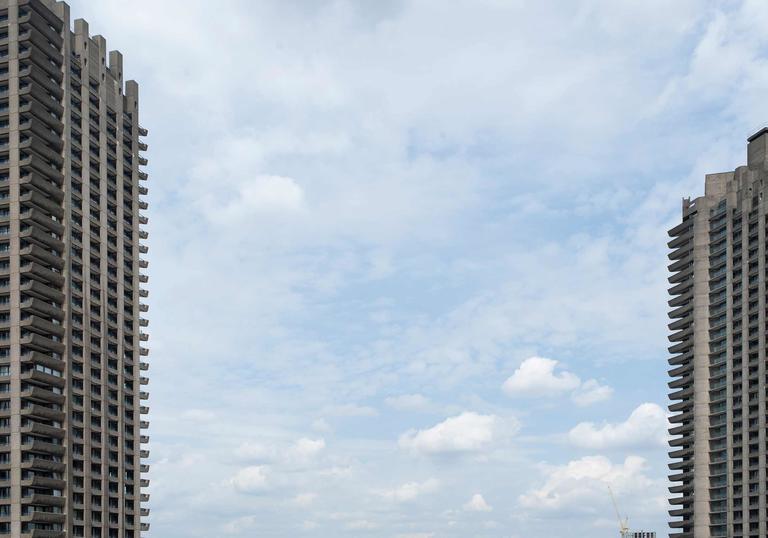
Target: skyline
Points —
{"points": [[375, 369]]}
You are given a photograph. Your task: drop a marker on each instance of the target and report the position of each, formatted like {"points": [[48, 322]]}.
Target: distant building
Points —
{"points": [[641, 534]]}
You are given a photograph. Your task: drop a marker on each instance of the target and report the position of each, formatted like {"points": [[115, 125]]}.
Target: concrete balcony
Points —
{"points": [[38, 342], [42, 412], [45, 448], [36, 253], [41, 325], [37, 235], [42, 377], [39, 428], [42, 218], [44, 517], [37, 394]]}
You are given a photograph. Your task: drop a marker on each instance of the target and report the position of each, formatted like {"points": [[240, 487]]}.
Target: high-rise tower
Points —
{"points": [[719, 387], [72, 374]]}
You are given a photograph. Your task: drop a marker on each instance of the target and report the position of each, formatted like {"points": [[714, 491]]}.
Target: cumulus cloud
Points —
{"points": [[467, 432], [253, 479], [536, 377], [477, 504], [410, 491], [581, 484], [591, 392], [645, 427], [539, 377], [304, 450]]}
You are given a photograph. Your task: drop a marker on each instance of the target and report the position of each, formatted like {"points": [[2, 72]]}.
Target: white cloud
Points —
{"points": [[408, 402], [350, 410], [321, 425], [645, 427], [304, 499], [361, 525], [301, 452], [262, 194], [536, 377], [240, 525], [251, 479], [253, 451], [581, 485], [591, 392], [304, 450], [467, 432], [199, 415], [540, 377], [410, 491], [477, 504]]}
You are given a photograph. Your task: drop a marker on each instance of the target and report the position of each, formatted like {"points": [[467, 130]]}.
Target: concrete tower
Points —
{"points": [[718, 308], [71, 340]]}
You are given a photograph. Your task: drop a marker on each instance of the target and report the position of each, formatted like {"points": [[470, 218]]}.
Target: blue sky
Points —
{"points": [[407, 257]]}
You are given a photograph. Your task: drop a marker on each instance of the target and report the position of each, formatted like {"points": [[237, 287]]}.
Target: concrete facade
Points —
{"points": [[72, 355], [719, 384]]}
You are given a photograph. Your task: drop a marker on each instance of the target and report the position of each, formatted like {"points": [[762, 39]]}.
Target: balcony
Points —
{"points": [[42, 377], [43, 219], [41, 343], [42, 412], [33, 233], [42, 291], [43, 308], [37, 200], [35, 253]]}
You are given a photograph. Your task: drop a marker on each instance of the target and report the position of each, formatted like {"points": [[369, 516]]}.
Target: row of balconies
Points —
{"points": [[681, 235]]}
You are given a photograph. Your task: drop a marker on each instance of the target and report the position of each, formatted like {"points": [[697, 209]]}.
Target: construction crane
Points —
{"points": [[623, 523]]}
